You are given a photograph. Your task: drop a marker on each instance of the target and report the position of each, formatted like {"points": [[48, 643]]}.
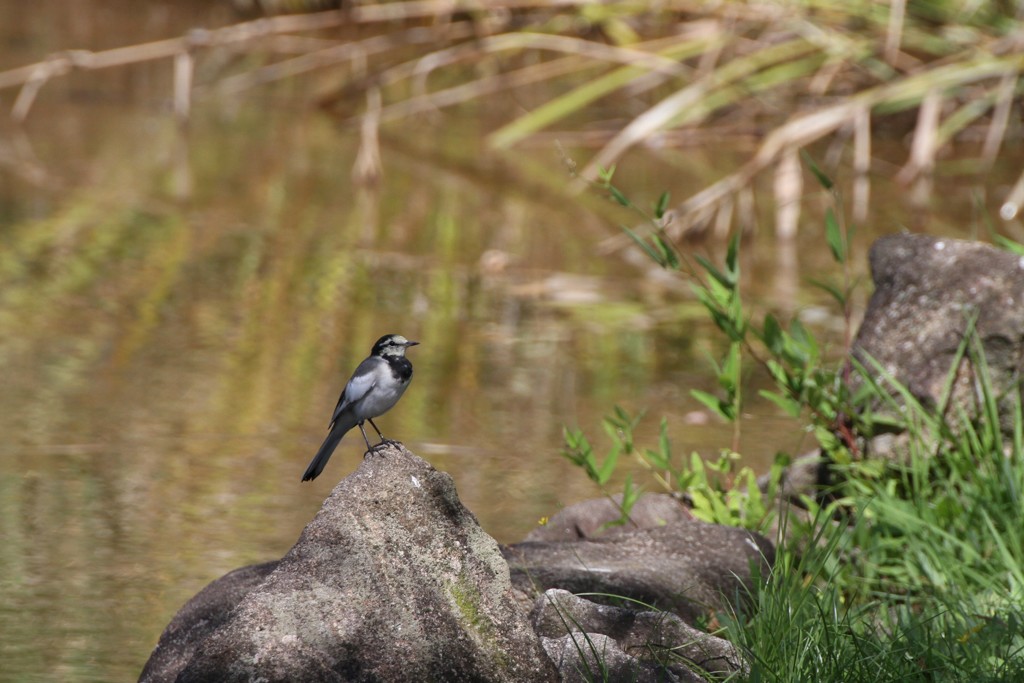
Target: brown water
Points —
{"points": [[179, 311]]}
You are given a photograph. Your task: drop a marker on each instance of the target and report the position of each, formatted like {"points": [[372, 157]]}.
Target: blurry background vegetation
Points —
{"points": [[203, 233]]}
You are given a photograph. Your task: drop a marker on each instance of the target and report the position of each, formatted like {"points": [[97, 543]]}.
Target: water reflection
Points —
{"points": [[171, 359], [178, 313]]}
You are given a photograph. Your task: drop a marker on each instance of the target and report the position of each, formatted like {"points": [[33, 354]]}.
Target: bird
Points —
{"points": [[374, 389]]}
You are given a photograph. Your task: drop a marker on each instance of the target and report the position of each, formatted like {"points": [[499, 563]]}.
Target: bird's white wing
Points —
{"points": [[362, 382]]}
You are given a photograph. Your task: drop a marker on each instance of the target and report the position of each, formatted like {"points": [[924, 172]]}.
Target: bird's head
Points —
{"points": [[391, 345]]}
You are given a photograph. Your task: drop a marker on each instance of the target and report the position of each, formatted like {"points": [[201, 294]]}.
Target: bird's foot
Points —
{"points": [[384, 443]]}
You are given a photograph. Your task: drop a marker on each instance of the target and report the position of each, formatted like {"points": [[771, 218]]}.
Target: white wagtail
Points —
{"points": [[373, 390]]}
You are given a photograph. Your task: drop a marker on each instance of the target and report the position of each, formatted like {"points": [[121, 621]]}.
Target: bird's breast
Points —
{"points": [[401, 369]]}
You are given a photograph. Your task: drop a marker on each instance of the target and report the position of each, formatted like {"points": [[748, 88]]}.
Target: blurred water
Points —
{"points": [[178, 312]]}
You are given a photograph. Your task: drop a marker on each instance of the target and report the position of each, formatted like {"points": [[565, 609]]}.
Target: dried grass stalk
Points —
{"points": [[789, 189]]}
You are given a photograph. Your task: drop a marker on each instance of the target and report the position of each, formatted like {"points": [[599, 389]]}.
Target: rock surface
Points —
{"points": [[201, 616], [636, 644], [583, 658], [689, 567], [393, 580], [927, 290], [588, 518]]}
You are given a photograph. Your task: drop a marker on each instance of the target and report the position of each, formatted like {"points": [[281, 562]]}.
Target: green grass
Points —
{"points": [[914, 573]]}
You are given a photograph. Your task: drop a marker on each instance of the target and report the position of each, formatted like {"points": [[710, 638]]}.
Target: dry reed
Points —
{"points": [[799, 72]]}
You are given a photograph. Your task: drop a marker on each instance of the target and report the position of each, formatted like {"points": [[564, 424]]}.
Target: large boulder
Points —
{"points": [[393, 580], [929, 292]]}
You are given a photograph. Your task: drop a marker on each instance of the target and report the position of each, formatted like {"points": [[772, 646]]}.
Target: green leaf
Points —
{"points": [[608, 466], [834, 236], [662, 205], [702, 507], [820, 175], [832, 289], [710, 297], [788, 405], [1009, 245], [777, 371], [656, 460], [578, 449], [729, 377], [713, 403], [670, 259], [720, 510], [772, 334], [611, 428], [621, 416], [753, 506], [630, 494], [724, 279], [732, 256], [647, 248], [808, 344], [618, 196], [739, 325], [722, 464], [721, 294], [697, 466]]}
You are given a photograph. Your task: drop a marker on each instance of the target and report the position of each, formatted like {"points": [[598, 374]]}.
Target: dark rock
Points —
{"points": [[689, 567], [927, 290], [806, 475], [393, 580], [201, 616], [588, 519], [647, 645]]}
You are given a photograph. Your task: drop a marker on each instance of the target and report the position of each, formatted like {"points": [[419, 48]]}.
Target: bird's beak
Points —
{"points": [[411, 343]]}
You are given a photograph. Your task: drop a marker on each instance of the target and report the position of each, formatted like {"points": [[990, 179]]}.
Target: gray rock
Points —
{"points": [[690, 567], [655, 643], [201, 616], [589, 518], [926, 291], [393, 580], [588, 657]]}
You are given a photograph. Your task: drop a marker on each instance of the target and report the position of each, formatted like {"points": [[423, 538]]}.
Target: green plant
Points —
{"points": [[911, 568], [721, 490], [619, 428]]}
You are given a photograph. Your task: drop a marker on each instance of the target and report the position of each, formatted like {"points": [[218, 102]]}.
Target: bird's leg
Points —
{"points": [[382, 439], [369, 448]]}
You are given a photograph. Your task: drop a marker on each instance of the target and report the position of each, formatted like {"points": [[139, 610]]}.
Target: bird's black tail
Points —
{"points": [[338, 430]]}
